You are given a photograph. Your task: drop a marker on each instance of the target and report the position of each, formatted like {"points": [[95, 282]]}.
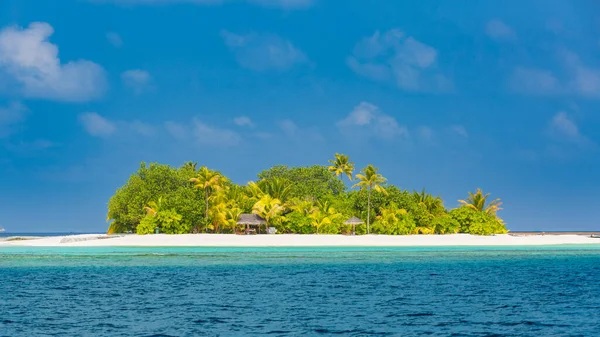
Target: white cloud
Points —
{"points": [[25, 147], [426, 133], [262, 52], [367, 116], [583, 80], [534, 81], [97, 125], [243, 121], [498, 30], [576, 78], [291, 130], [564, 127], [32, 61], [178, 131], [372, 71], [136, 79], [288, 127], [10, 116], [209, 135], [459, 130], [142, 128], [114, 39], [283, 4], [393, 56]]}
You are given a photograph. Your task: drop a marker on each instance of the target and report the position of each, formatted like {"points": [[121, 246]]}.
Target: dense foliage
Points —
{"points": [[303, 200]]}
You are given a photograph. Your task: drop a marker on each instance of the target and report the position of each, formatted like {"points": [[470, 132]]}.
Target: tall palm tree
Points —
{"points": [[478, 201], [370, 180], [209, 181], [341, 165], [433, 205]]}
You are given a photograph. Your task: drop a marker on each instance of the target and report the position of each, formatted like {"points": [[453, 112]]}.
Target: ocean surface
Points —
{"points": [[500, 291]]}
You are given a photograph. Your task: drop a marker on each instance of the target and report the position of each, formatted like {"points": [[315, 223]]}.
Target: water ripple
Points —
{"points": [[310, 292]]}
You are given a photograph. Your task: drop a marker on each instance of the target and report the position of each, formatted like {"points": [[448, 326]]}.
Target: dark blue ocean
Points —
{"points": [[522, 291]]}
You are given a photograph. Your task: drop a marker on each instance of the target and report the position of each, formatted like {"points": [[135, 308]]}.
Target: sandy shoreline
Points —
{"points": [[228, 240]]}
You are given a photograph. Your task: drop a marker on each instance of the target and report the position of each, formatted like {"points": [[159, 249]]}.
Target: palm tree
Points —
{"points": [[433, 205], [323, 214], [268, 208], [478, 201], [341, 165], [152, 208], [305, 207], [276, 187], [320, 219], [209, 181], [392, 220], [190, 165], [370, 180]]}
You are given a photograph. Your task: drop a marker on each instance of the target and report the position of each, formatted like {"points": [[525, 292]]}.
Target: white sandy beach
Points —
{"points": [[228, 240]]}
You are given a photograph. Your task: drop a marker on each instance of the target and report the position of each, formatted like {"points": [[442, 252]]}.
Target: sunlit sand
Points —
{"points": [[284, 240]]}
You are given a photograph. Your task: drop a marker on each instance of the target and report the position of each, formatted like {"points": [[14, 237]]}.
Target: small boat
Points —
{"points": [[1, 230]]}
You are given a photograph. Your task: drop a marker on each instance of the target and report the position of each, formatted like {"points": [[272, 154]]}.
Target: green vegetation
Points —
{"points": [[301, 200]]}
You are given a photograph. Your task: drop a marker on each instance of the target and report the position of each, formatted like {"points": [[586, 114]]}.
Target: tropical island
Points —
{"points": [[318, 199]]}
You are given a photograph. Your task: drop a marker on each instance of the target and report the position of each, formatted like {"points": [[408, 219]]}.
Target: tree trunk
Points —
{"points": [[369, 213], [206, 211]]}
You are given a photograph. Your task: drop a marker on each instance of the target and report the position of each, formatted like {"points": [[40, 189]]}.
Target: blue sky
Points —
{"points": [[446, 95]]}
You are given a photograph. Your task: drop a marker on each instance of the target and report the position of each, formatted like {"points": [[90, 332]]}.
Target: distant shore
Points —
{"points": [[290, 240]]}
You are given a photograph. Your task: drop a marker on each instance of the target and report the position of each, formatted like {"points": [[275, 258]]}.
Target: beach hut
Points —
{"points": [[354, 221], [249, 220]]}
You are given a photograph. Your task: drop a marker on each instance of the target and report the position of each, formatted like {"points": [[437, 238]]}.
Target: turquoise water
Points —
{"points": [[501, 291]]}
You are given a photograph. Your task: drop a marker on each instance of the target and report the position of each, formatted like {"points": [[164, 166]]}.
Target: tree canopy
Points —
{"points": [[303, 200]]}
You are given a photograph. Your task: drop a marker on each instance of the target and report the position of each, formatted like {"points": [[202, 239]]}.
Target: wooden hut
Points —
{"points": [[249, 220], [354, 221]]}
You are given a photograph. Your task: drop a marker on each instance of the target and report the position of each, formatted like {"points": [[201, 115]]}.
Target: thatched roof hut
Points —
{"points": [[354, 221], [251, 220]]}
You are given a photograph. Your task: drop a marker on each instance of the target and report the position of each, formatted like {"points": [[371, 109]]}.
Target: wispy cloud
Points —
{"points": [[10, 116], [573, 77], [562, 127], [243, 121], [177, 130], [391, 56], [209, 135], [295, 132], [288, 127], [96, 125], [426, 133], [498, 30], [202, 133], [459, 130], [568, 142], [114, 39], [262, 52], [27, 147], [32, 61], [136, 79], [534, 81], [368, 117], [142, 128], [283, 4]]}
